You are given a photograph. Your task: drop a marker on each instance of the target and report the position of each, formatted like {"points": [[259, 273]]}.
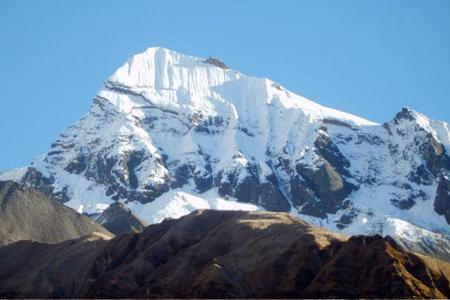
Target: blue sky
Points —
{"points": [[365, 57]]}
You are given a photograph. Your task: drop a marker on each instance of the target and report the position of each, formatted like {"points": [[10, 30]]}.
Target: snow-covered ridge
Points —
{"points": [[158, 72], [169, 133]]}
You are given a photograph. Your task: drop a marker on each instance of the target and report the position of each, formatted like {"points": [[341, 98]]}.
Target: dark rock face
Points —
{"points": [[266, 194], [442, 200], [117, 218], [435, 156], [119, 175], [27, 214], [349, 215], [421, 175], [208, 125], [181, 176], [133, 161], [404, 203], [331, 153], [203, 178], [405, 114], [79, 164], [432, 151], [302, 195], [222, 254], [271, 197], [337, 123], [216, 62], [245, 190], [323, 190], [38, 181]]}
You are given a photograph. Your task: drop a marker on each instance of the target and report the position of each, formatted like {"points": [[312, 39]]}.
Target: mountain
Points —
{"points": [[118, 218], [222, 254], [26, 214], [169, 133]]}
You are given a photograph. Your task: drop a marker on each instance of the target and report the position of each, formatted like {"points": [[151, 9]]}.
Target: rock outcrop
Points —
{"points": [[442, 199], [117, 218]]}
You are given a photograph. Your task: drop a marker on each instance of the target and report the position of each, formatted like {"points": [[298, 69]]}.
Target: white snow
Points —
{"points": [[171, 74], [85, 196], [179, 202], [13, 175]]}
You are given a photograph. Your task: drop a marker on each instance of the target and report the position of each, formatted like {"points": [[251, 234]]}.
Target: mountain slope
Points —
{"points": [[26, 214], [117, 218], [169, 133], [222, 254]]}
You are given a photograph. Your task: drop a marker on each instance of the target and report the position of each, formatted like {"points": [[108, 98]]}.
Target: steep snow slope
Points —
{"points": [[169, 133]]}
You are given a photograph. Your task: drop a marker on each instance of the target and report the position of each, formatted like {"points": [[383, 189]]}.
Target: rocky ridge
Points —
{"points": [[220, 254]]}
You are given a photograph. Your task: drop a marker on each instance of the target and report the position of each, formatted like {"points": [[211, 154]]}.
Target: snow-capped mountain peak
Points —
{"points": [[169, 133], [166, 78]]}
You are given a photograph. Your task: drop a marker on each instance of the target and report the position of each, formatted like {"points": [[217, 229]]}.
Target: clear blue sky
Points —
{"points": [[367, 57]]}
